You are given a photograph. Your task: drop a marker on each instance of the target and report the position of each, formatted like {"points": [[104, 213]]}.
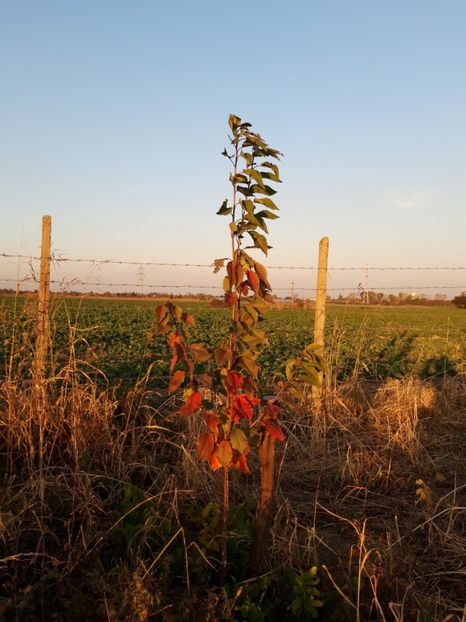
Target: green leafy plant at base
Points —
{"points": [[289, 596], [220, 385]]}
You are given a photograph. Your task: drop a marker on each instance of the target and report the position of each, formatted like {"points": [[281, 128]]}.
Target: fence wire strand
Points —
{"points": [[57, 260], [216, 287]]}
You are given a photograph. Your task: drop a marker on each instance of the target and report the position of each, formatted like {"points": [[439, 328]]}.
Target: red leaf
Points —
{"points": [[271, 409], [273, 428], [231, 299], [234, 381], [244, 289], [243, 406], [205, 446], [253, 281], [192, 404], [176, 381], [232, 272]]}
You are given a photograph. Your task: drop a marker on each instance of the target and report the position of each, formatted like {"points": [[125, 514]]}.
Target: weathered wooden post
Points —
{"points": [[321, 299], [43, 298]]}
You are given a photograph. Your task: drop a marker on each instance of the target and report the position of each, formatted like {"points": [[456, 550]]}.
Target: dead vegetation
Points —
{"points": [[105, 507]]}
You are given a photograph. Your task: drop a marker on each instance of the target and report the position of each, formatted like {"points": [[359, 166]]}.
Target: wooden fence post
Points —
{"points": [[321, 299], [43, 297]]}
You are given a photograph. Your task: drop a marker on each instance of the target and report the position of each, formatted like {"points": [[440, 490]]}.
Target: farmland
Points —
{"points": [[117, 337]]}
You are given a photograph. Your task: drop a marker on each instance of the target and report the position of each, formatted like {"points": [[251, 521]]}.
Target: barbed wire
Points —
{"points": [[56, 259], [216, 287]]}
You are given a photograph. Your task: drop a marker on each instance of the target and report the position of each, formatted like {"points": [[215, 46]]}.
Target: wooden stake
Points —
{"points": [[264, 510], [321, 299], [43, 327]]}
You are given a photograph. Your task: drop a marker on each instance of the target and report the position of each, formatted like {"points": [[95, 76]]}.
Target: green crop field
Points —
{"points": [[115, 337]]}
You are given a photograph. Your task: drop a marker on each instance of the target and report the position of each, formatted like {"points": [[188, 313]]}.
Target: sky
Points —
{"points": [[113, 116]]}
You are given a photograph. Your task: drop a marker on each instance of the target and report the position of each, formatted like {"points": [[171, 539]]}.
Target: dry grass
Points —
{"points": [[376, 491]]}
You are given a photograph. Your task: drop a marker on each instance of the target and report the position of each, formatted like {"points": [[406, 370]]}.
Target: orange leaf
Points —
{"points": [[223, 355], [204, 380], [200, 353], [240, 461], [160, 313], [192, 404], [214, 461], [262, 273], [174, 339], [188, 319], [224, 453], [176, 380], [205, 446], [212, 421], [243, 465]]}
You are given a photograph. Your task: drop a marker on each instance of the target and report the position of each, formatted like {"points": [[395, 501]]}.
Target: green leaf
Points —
{"points": [[267, 202], [247, 156], [275, 176], [238, 440], [218, 264], [233, 122], [238, 179], [255, 175], [266, 214], [224, 209], [261, 223], [252, 312], [248, 192], [249, 365], [256, 189], [291, 364], [259, 241]]}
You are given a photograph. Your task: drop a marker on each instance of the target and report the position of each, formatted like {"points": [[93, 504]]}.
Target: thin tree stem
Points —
{"points": [[223, 549]]}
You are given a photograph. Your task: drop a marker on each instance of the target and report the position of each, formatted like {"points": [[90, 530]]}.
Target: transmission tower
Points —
{"points": [[365, 293], [140, 276], [293, 297]]}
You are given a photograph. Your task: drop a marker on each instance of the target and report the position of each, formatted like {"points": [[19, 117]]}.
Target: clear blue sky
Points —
{"points": [[113, 116]]}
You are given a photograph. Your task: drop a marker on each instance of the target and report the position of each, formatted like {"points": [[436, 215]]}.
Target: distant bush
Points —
{"points": [[460, 301]]}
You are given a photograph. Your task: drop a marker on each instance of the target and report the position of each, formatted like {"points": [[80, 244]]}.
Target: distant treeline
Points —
{"points": [[373, 298]]}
